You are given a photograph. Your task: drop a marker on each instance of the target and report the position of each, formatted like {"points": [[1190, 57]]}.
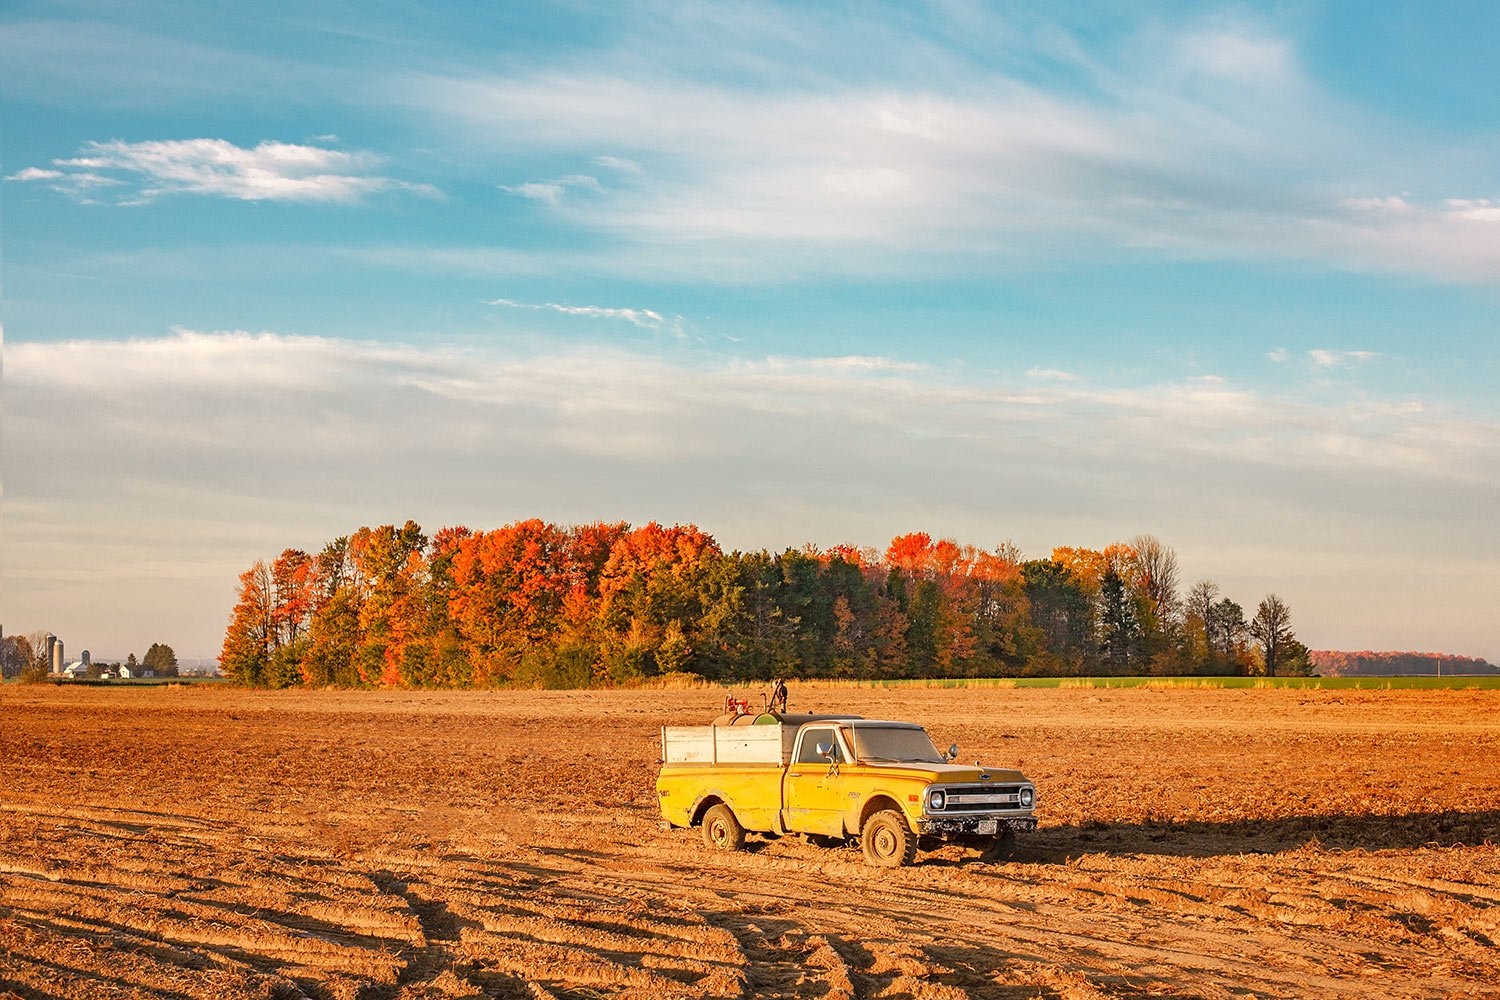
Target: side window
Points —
{"points": [[808, 754]]}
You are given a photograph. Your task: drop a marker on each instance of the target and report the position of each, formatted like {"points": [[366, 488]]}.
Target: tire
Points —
{"points": [[887, 841], [1002, 848], [721, 831]]}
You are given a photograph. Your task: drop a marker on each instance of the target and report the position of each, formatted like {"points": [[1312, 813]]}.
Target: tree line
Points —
{"points": [[537, 604], [1366, 663]]}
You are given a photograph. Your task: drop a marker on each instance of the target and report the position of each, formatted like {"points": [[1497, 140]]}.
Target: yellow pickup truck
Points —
{"points": [[833, 777]]}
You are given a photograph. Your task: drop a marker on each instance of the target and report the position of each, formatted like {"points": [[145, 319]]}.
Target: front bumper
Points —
{"points": [[973, 826]]}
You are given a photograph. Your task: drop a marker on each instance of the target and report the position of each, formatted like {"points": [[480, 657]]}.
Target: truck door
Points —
{"points": [[812, 793]]}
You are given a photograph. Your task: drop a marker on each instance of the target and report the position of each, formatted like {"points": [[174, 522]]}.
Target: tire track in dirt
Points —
{"points": [[261, 917], [1028, 917]]}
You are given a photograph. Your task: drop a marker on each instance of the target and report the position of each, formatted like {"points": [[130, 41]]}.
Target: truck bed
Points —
{"points": [[740, 739]]}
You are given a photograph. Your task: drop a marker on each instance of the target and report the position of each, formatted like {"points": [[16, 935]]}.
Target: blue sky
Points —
{"points": [[1229, 275]]}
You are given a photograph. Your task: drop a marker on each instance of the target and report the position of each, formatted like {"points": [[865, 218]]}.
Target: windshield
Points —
{"points": [[912, 745]]}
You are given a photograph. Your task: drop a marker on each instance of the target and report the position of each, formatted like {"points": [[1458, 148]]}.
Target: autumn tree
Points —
{"points": [[388, 572], [333, 633], [1198, 617], [509, 590], [1271, 628], [869, 629], [25, 657], [1227, 631], [1153, 568], [293, 583], [912, 583], [445, 663], [249, 639], [959, 603], [654, 575]]}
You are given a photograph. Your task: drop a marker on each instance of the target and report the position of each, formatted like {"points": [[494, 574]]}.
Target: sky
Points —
{"points": [[1057, 275]]}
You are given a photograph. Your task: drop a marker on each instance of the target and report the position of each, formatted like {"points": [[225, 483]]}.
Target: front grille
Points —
{"points": [[981, 798]]}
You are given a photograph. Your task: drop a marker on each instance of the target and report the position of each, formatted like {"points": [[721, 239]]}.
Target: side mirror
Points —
{"points": [[953, 751], [825, 750]]}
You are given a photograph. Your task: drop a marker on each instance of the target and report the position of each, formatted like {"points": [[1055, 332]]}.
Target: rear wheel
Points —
{"points": [[721, 830], [887, 841]]}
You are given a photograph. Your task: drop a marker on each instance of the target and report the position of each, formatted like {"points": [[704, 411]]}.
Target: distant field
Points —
{"points": [[204, 841], [1487, 682]]}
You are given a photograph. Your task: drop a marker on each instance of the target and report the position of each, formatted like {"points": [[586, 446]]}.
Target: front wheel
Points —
{"points": [[1002, 848], [721, 831], [887, 841]]}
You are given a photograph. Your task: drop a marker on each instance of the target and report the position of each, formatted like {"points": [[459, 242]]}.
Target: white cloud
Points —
{"points": [[1051, 375], [647, 319], [1238, 52], [1324, 358], [850, 363], [270, 171], [80, 185], [1475, 209], [551, 192], [619, 163], [35, 174], [1392, 203]]}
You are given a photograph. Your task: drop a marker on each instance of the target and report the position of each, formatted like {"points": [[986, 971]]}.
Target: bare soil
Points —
{"points": [[202, 842]]}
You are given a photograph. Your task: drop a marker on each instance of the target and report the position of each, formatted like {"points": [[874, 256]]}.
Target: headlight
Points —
{"points": [[937, 799], [1028, 796]]}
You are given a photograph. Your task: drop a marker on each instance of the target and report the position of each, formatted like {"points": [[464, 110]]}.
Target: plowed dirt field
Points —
{"points": [[202, 842]]}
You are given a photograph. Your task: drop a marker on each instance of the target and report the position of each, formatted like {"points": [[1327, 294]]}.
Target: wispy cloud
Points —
{"points": [[80, 185], [1051, 375], [618, 163], [270, 171], [1206, 140], [35, 174], [646, 319], [1324, 358], [552, 192]]}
